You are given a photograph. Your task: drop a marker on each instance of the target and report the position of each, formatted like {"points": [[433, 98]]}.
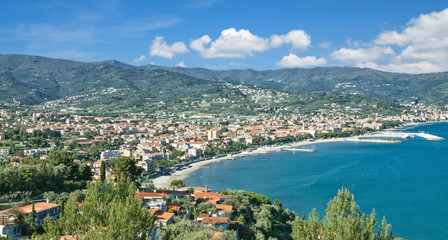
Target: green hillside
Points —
{"points": [[114, 86], [385, 85]]}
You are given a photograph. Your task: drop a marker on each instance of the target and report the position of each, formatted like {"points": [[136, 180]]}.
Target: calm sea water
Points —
{"points": [[407, 183]]}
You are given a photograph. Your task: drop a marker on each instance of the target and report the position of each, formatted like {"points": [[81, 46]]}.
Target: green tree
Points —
{"points": [[125, 168], [12, 149], [30, 223], [84, 173], [109, 211], [186, 229], [50, 196], [343, 220], [258, 199], [60, 157], [190, 190], [103, 171], [177, 183]]}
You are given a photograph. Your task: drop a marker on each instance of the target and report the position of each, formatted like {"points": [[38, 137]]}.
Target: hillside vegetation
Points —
{"points": [[429, 88], [114, 86]]}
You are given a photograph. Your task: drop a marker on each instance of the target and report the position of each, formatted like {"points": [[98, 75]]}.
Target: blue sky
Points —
{"points": [[400, 36]]}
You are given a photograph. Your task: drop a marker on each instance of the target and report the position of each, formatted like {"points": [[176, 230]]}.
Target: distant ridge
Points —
{"points": [[35, 80], [430, 88]]}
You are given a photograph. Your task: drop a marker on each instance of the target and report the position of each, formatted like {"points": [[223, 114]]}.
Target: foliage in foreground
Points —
{"points": [[343, 220], [110, 211]]}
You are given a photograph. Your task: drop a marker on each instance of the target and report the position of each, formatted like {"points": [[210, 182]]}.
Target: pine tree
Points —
{"points": [[12, 149], [125, 168], [103, 171], [30, 222], [343, 220]]}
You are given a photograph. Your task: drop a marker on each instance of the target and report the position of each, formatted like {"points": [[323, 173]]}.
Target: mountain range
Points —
{"points": [[430, 88], [112, 85]]}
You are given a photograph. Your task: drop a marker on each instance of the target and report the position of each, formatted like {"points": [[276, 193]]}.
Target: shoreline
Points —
{"points": [[164, 181]]}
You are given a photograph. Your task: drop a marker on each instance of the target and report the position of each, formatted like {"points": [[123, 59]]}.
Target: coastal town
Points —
{"points": [[166, 147], [166, 139]]}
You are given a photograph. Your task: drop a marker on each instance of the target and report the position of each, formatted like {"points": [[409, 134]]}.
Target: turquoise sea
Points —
{"points": [[407, 182]]}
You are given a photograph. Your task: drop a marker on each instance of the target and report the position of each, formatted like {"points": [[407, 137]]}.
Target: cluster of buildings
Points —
{"points": [[159, 202], [186, 136]]}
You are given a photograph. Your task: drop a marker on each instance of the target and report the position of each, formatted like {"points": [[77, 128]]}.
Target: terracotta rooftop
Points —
{"points": [[209, 195], [215, 220], [38, 207], [221, 207], [151, 195], [165, 216]]}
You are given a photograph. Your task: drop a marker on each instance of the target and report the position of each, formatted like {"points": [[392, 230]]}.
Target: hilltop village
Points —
{"points": [[82, 147]]}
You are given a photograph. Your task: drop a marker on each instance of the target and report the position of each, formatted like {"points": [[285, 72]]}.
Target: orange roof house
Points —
{"points": [[216, 222], [210, 197], [165, 218]]}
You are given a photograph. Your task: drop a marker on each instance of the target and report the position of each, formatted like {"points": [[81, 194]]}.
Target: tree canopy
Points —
{"points": [[343, 220], [125, 168], [109, 211], [177, 183]]}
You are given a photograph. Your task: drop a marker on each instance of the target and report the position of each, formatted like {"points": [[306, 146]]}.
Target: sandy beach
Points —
{"points": [[164, 181]]}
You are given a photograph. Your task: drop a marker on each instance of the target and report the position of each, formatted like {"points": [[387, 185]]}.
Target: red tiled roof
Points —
{"points": [[215, 220], [165, 216], [221, 207], [38, 207], [209, 195]]}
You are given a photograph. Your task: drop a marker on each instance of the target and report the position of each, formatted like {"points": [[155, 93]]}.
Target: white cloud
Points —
{"points": [[160, 48], [298, 38], [427, 26], [242, 43], [325, 45], [419, 67], [199, 43], [230, 44], [361, 55], [423, 44], [139, 59], [180, 64], [293, 60]]}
